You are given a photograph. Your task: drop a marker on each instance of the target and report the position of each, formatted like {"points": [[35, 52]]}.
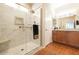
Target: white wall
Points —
{"points": [[47, 24], [8, 27]]}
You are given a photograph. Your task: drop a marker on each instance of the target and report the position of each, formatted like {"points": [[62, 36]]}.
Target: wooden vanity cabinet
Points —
{"points": [[73, 38], [66, 37], [59, 36]]}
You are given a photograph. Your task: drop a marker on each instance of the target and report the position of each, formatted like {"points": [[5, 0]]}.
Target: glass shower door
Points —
{"points": [[32, 43]]}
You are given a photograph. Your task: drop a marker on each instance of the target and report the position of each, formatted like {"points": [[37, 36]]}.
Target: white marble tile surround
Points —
{"points": [[8, 30]]}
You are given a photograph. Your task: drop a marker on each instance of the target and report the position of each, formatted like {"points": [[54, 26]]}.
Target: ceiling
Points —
{"points": [[55, 8]]}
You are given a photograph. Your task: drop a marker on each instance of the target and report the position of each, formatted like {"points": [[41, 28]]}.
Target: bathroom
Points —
{"points": [[27, 28]]}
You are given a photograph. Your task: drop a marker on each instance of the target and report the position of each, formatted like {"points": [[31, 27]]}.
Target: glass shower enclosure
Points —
{"points": [[16, 29]]}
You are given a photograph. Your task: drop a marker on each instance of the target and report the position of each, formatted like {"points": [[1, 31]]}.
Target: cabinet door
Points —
{"points": [[73, 39], [59, 36]]}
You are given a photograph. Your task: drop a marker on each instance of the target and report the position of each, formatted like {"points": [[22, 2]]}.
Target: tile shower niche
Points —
{"points": [[19, 21]]}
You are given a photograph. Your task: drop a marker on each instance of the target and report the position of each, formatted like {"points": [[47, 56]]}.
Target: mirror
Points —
{"points": [[69, 24], [65, 22]]}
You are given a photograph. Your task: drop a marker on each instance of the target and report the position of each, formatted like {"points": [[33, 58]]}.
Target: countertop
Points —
{"points": [[66, 29]]}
